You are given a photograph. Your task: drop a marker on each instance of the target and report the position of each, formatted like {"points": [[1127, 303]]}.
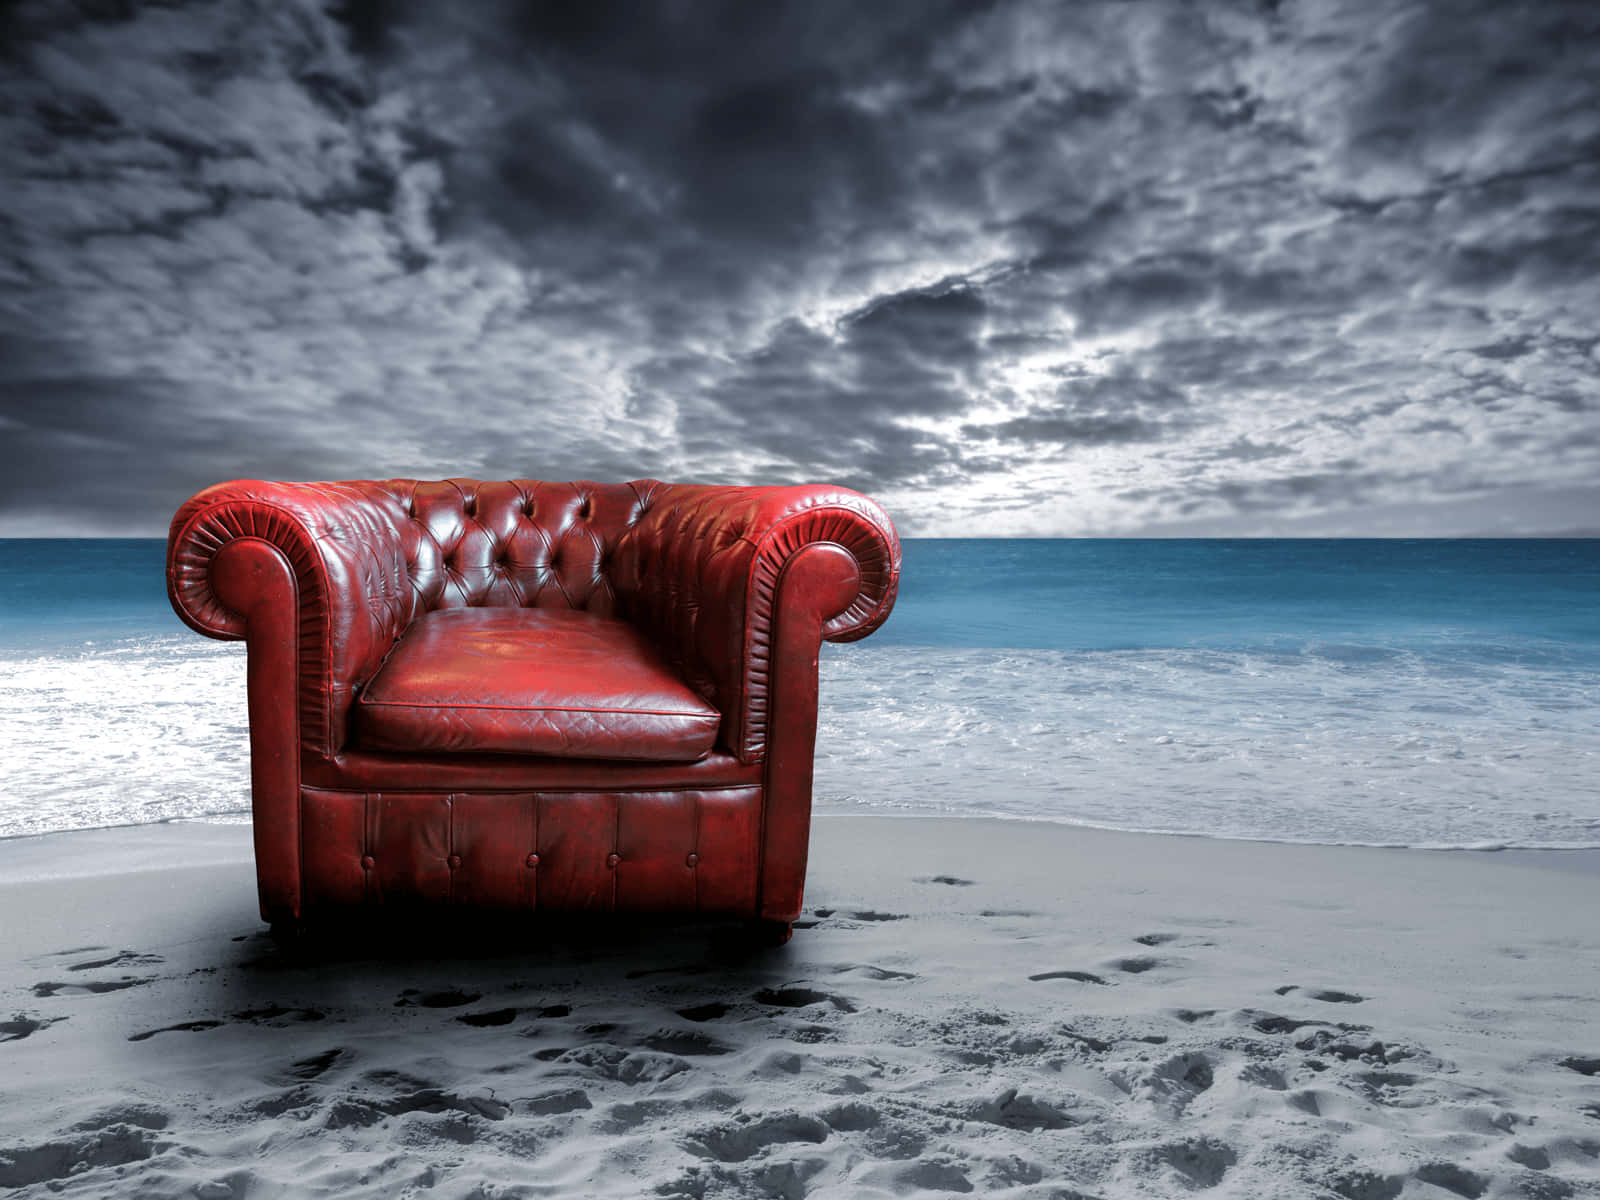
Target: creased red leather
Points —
{"points": [[555, 682]]}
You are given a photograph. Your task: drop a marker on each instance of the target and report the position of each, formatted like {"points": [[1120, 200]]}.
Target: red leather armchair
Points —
{"points": [[523, 695]]}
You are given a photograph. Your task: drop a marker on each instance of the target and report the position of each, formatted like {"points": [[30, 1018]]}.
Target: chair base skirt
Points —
{"points": [[688, 850]]}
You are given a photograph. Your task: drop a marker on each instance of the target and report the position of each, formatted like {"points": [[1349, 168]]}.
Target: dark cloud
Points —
{"points": [[1016, 267]]}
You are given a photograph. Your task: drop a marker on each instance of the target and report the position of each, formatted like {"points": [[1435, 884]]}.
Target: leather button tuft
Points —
{"points": [[368, 862], [532, 860], [692, 860], [612, 860], [454, 860]]}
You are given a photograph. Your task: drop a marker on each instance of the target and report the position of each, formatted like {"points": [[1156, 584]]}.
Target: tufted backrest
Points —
{"points": [[518, 543]]}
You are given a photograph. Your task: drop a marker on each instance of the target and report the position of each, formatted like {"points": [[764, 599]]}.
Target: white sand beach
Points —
{"points": [[973, 1007]]}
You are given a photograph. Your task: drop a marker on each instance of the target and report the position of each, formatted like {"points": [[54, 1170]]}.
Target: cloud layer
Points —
{"points": [[1014, 268]]}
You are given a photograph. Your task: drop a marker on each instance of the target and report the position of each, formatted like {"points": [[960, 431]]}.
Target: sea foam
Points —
{"points": [[1328, 743]]}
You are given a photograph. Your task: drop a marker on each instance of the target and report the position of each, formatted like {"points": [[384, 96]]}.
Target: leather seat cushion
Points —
{"points": [[555, 682]]}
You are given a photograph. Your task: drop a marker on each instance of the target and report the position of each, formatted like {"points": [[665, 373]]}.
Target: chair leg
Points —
{"points": [[771, 933]]}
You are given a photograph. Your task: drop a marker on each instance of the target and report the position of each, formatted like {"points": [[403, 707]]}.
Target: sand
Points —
{"points": [[973, 1007]]}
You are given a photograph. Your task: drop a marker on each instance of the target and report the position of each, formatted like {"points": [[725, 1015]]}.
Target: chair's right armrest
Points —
{"points": [[702, 572], [352, 595]]}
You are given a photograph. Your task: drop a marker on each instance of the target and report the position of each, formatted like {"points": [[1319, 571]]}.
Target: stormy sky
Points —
{"points": [[1013, 268]]}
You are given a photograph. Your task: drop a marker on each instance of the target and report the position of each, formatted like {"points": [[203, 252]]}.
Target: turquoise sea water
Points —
{"points": [[1428, 692]]}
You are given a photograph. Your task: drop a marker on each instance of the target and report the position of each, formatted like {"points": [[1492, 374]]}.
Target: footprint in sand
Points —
{"points": [[631, 1114], [91, 988], [22, 1025], [1267, 1022], [1201, 1162], [181, 1027], [303, 1070], [1387, 1088], [687, 1044], [1535, 1158], [738, 1142], [450, 998], [1453, 1179], [947, 880], [1138, 966], [1171, 1083], [1156, 939], [865, 914], [550, 1104], [300, 1100], [1364, 1185], [800, 997], [277, 1016], [1330, 996], [273, 1015], [1077, 976], [121, 958], [704, 1012], [361, 1111], [114, 1146], [879, 974], [1015, 1110], [1273, 1023], [143, 1116], [489, 1019], [937, 1175], [851, 1117], [1262, 1076], [1324, 1041]]}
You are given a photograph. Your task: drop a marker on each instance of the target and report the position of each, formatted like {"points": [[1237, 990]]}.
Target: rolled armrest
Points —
{"points": [[353, 593], [700, 570]]}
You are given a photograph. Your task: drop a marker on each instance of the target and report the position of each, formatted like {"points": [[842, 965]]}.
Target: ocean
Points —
{"points": [[1435, 693]]}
